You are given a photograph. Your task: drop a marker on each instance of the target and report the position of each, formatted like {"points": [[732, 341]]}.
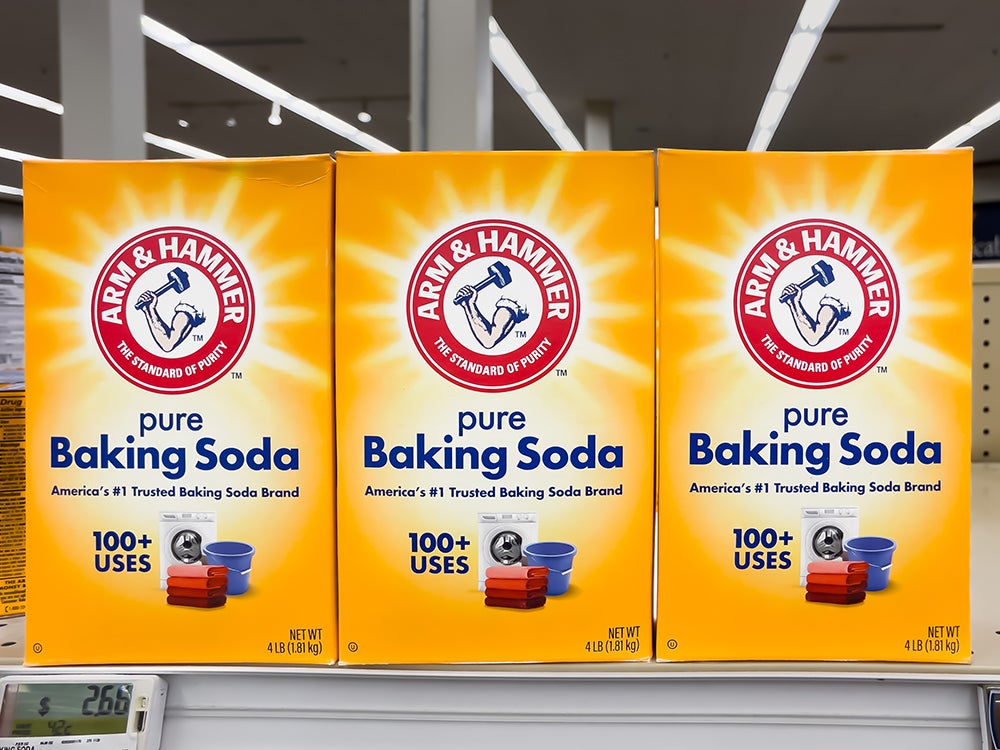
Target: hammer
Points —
{"points": [[498, 273], [177, 279], [822, 272]]}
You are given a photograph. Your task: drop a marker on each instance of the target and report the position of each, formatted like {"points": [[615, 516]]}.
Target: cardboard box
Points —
{"points": [[495, 353], [11, 319], [815, 319], [179, 360], [12, 430]]}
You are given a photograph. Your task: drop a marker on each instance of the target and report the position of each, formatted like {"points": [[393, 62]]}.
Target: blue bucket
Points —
{"points": [[558, 558], [877, 552], [236, 556]]}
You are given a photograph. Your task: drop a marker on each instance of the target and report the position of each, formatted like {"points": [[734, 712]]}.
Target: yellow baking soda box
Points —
{"points": [[814, 412], [180, 430], [495, 405]]}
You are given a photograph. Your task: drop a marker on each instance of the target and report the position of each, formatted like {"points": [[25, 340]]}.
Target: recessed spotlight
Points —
{"points": [[183, 123], [275, 117], [231, 122], [364, 116]]}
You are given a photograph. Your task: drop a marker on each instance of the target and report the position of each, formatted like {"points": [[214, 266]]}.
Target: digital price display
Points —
{"points": [[60, 709], [111, 711]]}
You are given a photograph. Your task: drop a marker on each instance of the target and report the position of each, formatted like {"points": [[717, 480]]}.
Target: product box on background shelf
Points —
{"points": [[12, 426], [814, 406], [11, 319], [495, 423], [180, 431]]}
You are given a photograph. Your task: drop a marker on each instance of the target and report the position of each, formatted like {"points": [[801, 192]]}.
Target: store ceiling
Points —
{"points": [[680, 73]]}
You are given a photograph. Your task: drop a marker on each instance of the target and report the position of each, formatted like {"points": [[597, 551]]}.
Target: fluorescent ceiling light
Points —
{"points": [[32, 100], [545, 111], [798, 52], [169, 144], [974, 126], [253, 82], [505, 57], [761, 138], [518, 75], [565, 139], [11, 190], [6, 153], [816, 14], [773, 109]]}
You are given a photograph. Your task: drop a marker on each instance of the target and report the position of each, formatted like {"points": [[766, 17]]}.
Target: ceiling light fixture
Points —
{"points": [[251, 81], [275, 117], [32, 100], [812, 21], [363, 114], [10, 155], [183, 123], [169, 144], [974, 126], [11, 190], [518, 75]]}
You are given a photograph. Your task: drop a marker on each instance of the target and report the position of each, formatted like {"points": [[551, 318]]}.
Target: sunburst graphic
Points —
{"points": [[611, 304], [901, 232], [275, 277]]}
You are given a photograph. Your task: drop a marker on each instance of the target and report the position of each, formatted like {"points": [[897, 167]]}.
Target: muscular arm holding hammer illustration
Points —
{"points": [[812, 330], [830, 312], [489, 333], [186, 317], [508, 313]]}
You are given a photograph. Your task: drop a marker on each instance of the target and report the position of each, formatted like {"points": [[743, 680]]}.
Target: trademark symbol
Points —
{"points": [[521, 334], [844, 331], [561, 373], [197, 337], [236, 375], [882, 368]]}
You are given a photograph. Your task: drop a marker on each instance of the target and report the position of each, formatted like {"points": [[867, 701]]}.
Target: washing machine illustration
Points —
{"points": [[183, 536], [824, 531], [502, 536]]}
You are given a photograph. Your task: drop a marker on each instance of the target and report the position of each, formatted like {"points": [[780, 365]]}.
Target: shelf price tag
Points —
{"points": [[123, 712]]}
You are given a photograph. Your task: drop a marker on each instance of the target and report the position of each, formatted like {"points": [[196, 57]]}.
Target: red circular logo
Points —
{"points": [[172, 310], [493, 305], [816, 303]]}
